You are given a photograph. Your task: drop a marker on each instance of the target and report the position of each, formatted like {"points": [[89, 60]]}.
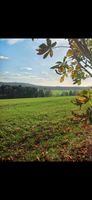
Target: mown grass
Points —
{"points": [[40, 129]]}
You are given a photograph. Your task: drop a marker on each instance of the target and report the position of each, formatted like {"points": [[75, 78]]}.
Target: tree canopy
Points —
{"points": [[77, 62]]}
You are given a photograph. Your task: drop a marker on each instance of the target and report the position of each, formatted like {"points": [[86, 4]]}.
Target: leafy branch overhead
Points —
{"points": [[77, 62], [46, 49]]}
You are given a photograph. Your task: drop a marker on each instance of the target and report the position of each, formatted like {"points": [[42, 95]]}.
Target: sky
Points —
{"points": [[19, 62]]}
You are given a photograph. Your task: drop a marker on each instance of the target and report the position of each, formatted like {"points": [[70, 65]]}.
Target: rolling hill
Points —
{"points": [[44, 87]]}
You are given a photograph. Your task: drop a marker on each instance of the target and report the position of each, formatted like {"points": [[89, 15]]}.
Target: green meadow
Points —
{"points": [[41, 129]]}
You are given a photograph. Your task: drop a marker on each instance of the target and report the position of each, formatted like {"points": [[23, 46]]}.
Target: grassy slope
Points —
{"points": [[39, 129]]}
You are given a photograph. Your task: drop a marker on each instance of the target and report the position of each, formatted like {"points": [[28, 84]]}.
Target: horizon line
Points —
{"points": [[43, 85]]}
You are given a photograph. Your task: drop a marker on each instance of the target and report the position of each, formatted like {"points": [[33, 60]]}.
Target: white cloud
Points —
{"points": [[29, 68], [26, 68], [13, 41], [38, 80], [17, 40], [4, 58], [6, 72]]}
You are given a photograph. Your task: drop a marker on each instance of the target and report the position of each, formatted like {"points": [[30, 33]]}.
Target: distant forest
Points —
{"points": [[11, 91], [7, 91]]}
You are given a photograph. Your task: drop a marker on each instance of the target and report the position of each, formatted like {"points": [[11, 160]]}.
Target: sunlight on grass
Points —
{"points": [[38, 129]]}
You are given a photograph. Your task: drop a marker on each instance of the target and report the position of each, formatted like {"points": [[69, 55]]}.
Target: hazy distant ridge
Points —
{"points": [[48, 87]]}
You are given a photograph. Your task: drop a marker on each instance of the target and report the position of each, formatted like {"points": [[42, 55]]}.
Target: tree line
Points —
{"points": [[7, 91], [69, 93]]}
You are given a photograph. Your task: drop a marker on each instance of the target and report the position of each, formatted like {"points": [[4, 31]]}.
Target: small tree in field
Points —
{"points": [[82, 98]]}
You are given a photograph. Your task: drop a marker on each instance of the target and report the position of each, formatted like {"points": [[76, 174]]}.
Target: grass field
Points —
{"points": [[41, 129]]}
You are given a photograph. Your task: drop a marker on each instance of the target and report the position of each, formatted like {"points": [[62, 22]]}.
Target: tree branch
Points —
{"points": [[83, 66], [83, 48], [74, 54], [86, 65], [61, 46]]}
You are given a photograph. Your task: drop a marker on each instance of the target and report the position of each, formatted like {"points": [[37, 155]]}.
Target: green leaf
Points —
{"points": [[58, 62], [43, 45], [78, 67], [48, 42], [54, 44], [42, 51], [39, 52], [90, 42], [61, 68], [64, 59], [66, 75], [69, 53], [54, 67], [69, 69], [79, 82], [61, 79], [57, 72], [46, 54], [51, 53]]}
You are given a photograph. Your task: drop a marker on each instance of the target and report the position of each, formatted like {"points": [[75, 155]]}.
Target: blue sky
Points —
{"points": [[19, 62]]}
